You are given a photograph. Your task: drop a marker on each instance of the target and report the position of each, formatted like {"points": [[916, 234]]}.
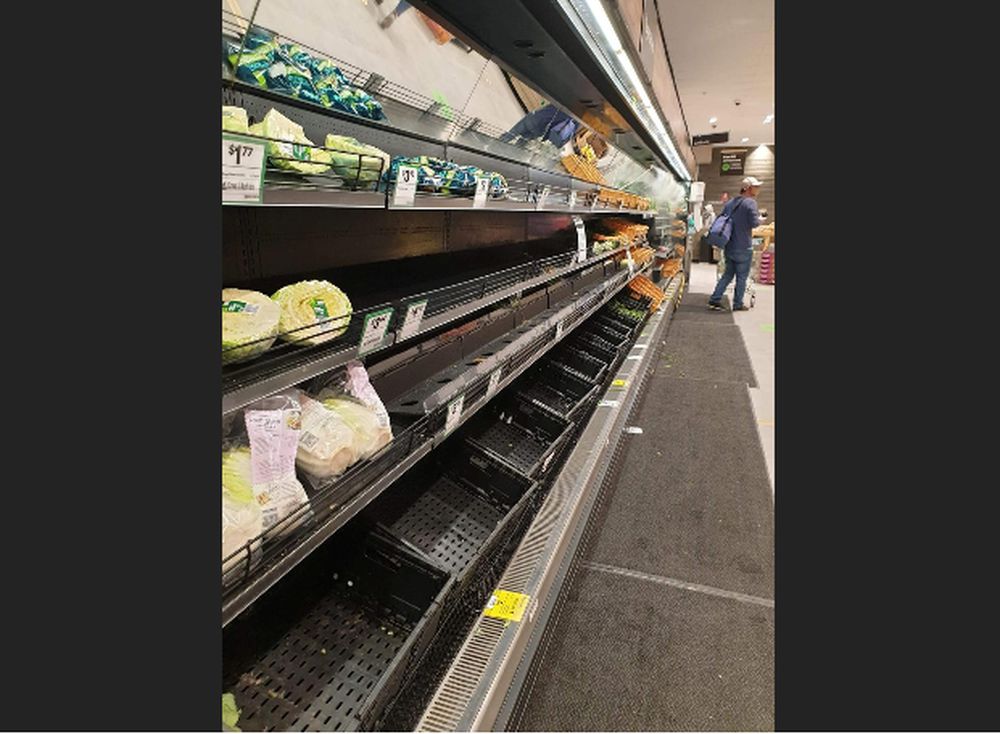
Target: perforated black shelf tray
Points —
{"points": [[581, 364], [523, 436], [558, 391], [331, 650]]}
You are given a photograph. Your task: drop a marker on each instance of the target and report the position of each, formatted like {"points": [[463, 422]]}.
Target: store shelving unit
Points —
{"points": [[346, 614], [290, 363], [474, 382], [353, 651]]}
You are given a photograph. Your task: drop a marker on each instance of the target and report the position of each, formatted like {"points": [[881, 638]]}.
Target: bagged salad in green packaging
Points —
{"points": [[290, 149]]}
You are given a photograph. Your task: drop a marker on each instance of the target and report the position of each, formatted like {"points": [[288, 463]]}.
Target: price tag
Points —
{"points": [[572, 200], [414, 316], [593, 203], [374, 331], [494, 382], [548, 460], [454, 413], [559, 331], [482, 190], [406, 186], [608, 404], [631, 262], [242, 170], [543, 197], [581, 239]]}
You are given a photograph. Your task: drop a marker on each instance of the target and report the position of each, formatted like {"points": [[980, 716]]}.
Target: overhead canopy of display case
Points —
{"points": [[604, 66]]}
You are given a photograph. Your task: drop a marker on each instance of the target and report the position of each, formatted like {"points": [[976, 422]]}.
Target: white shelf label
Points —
{"points": [[608, 404], [559, 331], [631, 262], [543, 197], [374, 330], [242, 170], [454, 413], [581, 239], [414, 316], [482, 190], [406, 186], [572, 200], [494, 382], [548, 460]]}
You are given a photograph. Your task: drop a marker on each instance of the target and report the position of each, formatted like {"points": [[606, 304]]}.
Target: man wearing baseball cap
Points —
{"points": [[742, 212]]}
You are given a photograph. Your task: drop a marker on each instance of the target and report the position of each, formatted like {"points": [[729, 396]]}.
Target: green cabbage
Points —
{"points": [[242, 520], [344, 158], [310, 302], [230, 714], [248, 318], [234, 120], [369, 434], [297, 153]]}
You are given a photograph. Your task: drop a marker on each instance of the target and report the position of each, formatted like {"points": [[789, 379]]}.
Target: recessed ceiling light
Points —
{"points": [[712, 120], [769, 119], [745, 140]]}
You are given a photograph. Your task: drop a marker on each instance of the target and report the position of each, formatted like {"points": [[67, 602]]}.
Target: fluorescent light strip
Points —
{"points": [[643, 107]]}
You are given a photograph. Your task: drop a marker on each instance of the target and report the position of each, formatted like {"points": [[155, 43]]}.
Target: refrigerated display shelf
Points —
{"points": [[332, 651], [333, 504], [489, 665], [460, 515], [581, 364], [530, 188], [559, 392], [520, 435], [288, 364]]}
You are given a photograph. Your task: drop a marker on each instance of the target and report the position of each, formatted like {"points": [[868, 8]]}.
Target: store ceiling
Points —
{"points": [[722, 51]]}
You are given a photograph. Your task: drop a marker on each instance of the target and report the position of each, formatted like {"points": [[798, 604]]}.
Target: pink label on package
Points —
{"points": [[274, 438]]}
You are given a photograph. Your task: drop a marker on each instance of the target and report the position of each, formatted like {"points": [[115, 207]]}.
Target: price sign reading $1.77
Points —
{"points": [[242, 170], [406, 186]]}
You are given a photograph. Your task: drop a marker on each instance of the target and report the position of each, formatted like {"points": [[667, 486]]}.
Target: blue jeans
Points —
{"points": [[738, 269]]}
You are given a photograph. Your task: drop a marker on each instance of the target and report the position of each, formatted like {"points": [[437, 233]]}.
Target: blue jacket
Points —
{"points": [[744, 219]]}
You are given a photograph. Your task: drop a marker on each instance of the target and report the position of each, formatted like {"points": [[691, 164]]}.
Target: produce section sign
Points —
{"points": [[733, 162], [242, 170]]}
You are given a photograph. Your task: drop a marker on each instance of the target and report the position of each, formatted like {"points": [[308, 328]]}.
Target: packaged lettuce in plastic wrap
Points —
{"points": [[273, 428], [295, 152], [235, 120], [345, 423], [242, 521], [344, 152]]}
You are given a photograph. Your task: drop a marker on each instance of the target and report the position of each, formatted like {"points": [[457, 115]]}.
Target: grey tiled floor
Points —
{"points": [[757, 329]]}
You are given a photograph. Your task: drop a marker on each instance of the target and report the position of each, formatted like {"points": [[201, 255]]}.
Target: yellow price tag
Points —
{"points": [[507, 605], [619, 383]]}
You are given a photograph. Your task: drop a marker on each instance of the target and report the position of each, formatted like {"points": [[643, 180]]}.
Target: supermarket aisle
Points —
{"points": [[669, 622]]}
